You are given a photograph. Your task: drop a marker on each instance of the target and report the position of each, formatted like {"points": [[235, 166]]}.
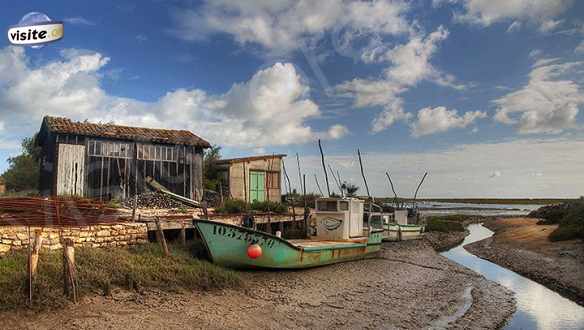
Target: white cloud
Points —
{"points": [[286, 25], [270, 109], [408, 64], [464, 170], [337, 131], [514, 27], [549, 25], [580, 48], [535, 53], [440, 119], [546, 104], [538, 12], [78, 21], [495, 174]]}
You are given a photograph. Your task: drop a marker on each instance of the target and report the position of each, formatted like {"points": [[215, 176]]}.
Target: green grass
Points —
{"points": [[571, 224], [99, 270], [446, 223]]}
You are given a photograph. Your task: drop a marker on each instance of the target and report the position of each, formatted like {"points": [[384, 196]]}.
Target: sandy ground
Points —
{"points": [[408, 286], [523, 246]]}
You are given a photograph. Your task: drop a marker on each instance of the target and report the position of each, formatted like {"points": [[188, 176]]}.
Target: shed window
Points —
{"points": [[160, 153], [109, 149], [343, 205]]}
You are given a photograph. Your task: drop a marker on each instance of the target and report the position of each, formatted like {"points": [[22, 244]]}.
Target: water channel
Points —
{"points": [[537, 306]]}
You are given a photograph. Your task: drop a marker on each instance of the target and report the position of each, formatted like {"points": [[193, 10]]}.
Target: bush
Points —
{"points": [[232, 206], [266, 206], [572, 224], [444, 224], [98, 270]]}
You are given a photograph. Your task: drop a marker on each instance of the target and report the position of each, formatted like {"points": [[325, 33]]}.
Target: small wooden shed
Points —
{"points": [[254, 178], [2, 186], [110, 161]]}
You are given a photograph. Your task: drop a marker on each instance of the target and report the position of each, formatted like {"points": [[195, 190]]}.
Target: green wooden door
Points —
{"points": [[257, 186]]}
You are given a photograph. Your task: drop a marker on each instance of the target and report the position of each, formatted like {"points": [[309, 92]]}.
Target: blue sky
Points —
{"points": [[485, 95]]}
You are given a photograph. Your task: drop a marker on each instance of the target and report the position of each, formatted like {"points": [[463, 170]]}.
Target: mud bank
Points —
{"points": [[522, 246], [409, 286]]}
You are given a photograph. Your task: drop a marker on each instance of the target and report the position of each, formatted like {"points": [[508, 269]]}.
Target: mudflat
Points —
{"points": [[408, 286], [523, 246]]}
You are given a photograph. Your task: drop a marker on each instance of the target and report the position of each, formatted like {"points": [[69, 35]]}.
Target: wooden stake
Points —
{"points": [[183, 234], [160, 237], [69, 270], [29, 271], [328, 189], [34, 257]]}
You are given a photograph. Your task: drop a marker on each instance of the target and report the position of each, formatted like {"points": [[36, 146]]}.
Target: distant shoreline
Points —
{"points": [[532, 201]]}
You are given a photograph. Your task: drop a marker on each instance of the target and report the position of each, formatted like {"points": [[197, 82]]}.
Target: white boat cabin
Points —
{"points": [[338, 218]]}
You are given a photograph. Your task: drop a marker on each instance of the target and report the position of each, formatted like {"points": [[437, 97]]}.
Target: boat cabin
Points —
{"points": [[339, 218]]}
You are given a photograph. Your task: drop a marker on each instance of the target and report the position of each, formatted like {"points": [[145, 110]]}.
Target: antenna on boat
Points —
{"points": [[395, 201], [419, 185], [328, 189], [363, 174], [317, 185]]}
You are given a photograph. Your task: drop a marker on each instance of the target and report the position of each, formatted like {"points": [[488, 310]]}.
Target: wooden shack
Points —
{"points": [[255, 178], [110, 161], [2, 186]]}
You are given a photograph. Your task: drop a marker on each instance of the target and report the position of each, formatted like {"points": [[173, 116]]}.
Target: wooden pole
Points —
{"points": [[306, 212], [69, 270], [299, 173], [363, 174], [317, 185], [419, 185], [183, 234], [336, 181], [395, 201], [160, 237], [328, 189], [289, 191]]}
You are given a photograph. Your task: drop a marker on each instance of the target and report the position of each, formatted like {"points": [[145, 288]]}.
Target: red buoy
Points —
{"points": [[254, 251]]}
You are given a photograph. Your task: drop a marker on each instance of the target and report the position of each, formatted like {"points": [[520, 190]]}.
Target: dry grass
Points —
{"points": [[101, 269]]}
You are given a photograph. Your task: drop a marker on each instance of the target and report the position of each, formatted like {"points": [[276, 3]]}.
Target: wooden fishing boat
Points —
{"points": [[395, 232], [339, 236], [397, 228]]}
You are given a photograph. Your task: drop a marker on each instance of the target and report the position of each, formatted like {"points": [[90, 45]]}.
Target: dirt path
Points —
{"points": [[523, 246], [408, 287]]}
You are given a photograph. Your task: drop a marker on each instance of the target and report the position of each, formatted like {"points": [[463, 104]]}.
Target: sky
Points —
{"points": [[484, 95]]}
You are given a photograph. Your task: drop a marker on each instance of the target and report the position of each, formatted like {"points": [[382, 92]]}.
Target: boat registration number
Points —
{"points": [[242, 235]]}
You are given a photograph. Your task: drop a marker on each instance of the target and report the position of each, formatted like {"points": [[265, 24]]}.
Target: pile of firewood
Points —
{"points": [[153, 200]]}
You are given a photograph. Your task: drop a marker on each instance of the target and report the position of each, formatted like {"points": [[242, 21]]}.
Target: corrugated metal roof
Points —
{"points": [[67, 126]]}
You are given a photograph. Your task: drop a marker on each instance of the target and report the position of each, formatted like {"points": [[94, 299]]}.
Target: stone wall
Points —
{"points": [[122, 234]]}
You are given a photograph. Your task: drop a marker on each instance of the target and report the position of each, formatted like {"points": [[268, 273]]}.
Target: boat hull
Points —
{"points": [[395, 232], [227, 246]]}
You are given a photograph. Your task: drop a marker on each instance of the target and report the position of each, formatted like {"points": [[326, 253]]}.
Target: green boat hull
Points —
{"points": [[227, 246]]}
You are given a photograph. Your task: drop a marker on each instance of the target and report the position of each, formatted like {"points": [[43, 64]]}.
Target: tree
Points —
{"points": [[23, 170], [210, 170], [349, 188]]}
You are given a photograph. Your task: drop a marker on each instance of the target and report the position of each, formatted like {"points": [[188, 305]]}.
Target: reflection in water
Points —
{"points": [[537, 306]]}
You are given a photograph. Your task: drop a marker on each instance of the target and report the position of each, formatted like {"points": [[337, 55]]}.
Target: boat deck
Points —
{"points": [[308, 244]]}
